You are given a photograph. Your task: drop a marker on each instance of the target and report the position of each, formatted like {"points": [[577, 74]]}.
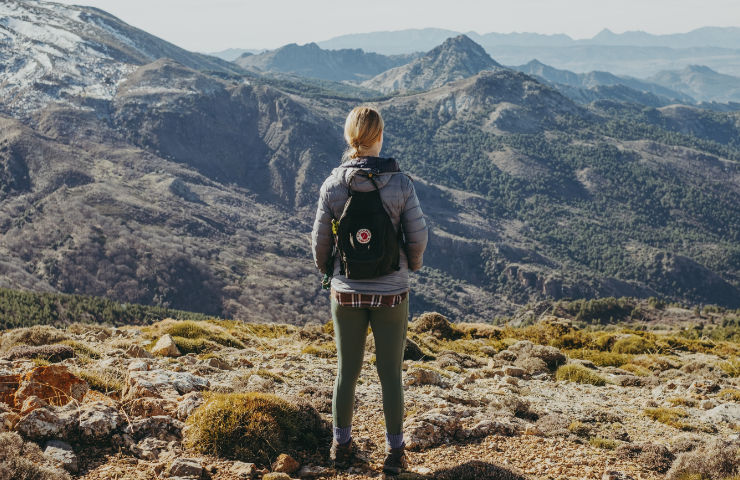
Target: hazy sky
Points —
{"points": [[211, 25]]}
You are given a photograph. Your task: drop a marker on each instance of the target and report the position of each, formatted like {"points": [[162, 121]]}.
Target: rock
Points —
{"points": [[276, 476], [583, 362], [8, 387], [258, 383], [8, 421], [219, 363], [150, 406], [502, 356], [32, 403], [166, 347], [423, 376], [62, 455], [52, 353], [513, 371], [549, 354], [186, 467], [245, 470], [162, 427], [449, 358], [136, 351], [431, 428], [311, 471], [49, 422], [532, 365], [508, 379], [188, 404], [412, 351], [138, 365], [616, 475], [98, 421], [628, 380], [727, 413], [435, 324], [161, 384], [52, 383], [285, 463], [149, 448]]}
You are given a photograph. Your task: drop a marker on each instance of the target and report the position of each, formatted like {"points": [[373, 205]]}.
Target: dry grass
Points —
{"points": [[602, 359], [669, 416], [731, 367], [323, 350], [21, 460]]}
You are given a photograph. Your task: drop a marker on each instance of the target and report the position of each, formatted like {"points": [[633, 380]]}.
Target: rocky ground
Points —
{"points": [[114, 403]]}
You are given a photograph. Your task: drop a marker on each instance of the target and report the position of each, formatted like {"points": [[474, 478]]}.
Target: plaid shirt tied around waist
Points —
{"points": [[366, 300]]}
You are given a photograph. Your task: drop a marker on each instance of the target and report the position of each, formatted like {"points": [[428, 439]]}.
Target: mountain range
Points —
{"points": [[191, 183]]}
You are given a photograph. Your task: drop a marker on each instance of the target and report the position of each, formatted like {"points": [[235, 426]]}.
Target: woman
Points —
{"points": [[381, 302]]}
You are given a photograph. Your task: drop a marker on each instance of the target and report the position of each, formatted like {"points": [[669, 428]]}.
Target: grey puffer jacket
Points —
{"points": [[399, 199]]}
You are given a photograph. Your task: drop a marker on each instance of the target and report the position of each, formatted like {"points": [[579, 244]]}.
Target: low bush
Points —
{"points": [[253, 427], [731, 367], [718, 459], [634, 344], [435, 324], [579, 374], [35, 336], [669, 416], [203, 331], [323, 350], [21, 460], [638, 370], [603, 443], [602, 359]]}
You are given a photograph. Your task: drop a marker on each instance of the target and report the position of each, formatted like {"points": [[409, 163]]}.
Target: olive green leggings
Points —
{"points": [[350, 330]]}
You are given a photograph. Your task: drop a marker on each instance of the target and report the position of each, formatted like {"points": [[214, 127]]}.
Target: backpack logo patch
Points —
{"points": [[363, 236]]}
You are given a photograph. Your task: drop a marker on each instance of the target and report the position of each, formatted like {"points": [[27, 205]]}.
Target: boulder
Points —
{"points": [[98, 421], [412, 351], [186, 467], [162, 427], [49, 422], [243, 470], [8, 386], [137, 351], [62, 455], [513, 371], [32, 403], [724, 413], [8, 421], [166, 347], [435, 324], [149, 448], [423, 376], [285, 463], [161, 384], [53, 384]]}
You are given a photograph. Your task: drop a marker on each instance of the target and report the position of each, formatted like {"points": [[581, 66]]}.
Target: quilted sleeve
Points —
{"points": [[321, 236], [414, 227]]}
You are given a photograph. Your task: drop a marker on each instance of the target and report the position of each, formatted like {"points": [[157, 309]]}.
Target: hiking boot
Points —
{"points": [[395, 460], [342, 454]]}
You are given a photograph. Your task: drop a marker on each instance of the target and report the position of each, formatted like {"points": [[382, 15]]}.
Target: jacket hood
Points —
{"points": [[381, 168]]}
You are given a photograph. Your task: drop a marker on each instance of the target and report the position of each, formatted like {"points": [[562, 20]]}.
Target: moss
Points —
{"points": [[252, 427], [732, 394], [636, 369], [323, 350], [603, 443], [195, 345], [634, 344], [82, 349], [731, 367], [579, 374], [669, 416], [682, 401], [602, 359], [656, 362], [199, 330], [603, 341]]}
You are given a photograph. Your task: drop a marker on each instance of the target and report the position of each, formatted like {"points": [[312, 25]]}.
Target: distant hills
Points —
{"points": [[637, 54], [191, 183], [456, 58], [312, 61], [701, 82]]}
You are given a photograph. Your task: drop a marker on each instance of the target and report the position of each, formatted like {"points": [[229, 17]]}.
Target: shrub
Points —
{"points": [[634, 344], [194, 345], [682, 401], [604, 443], [579, 374], [82, 349], [732, 394], [24, 460], [718, 459], [253, 427], [656, 362], [636, 369], [436, 324], [108, 380], [203, 331]]}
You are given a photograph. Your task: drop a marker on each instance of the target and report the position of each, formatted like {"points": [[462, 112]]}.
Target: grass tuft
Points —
{"points": [[579, 374]]}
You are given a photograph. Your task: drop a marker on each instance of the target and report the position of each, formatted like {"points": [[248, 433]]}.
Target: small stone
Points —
{"points": [[150, 407], [311, 471], [532, 429], [707, 404], [244, 470], [188, 404], [285, 463], [276, 476], [423, 376], [138, 365], [8, 421], [615, 475], [32, 403], [186, 467], [136, 351], [727, 412], [258, 383], [510, 380], [166, 347], [219, 363], [98, 421], [149, 448], [513, 371], [61, 454]]}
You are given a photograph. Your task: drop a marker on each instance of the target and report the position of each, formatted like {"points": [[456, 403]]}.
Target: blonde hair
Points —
{"points": [[362, 129]]}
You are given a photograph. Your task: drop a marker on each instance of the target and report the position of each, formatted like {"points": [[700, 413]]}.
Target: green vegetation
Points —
{"points": [[25, 309], [108, 381], [323, 350], [579, 374], [252, 427], [634, 344], [669, 416]]}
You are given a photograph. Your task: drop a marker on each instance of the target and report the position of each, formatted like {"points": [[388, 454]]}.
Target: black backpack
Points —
{"points": [[367, 242]]}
